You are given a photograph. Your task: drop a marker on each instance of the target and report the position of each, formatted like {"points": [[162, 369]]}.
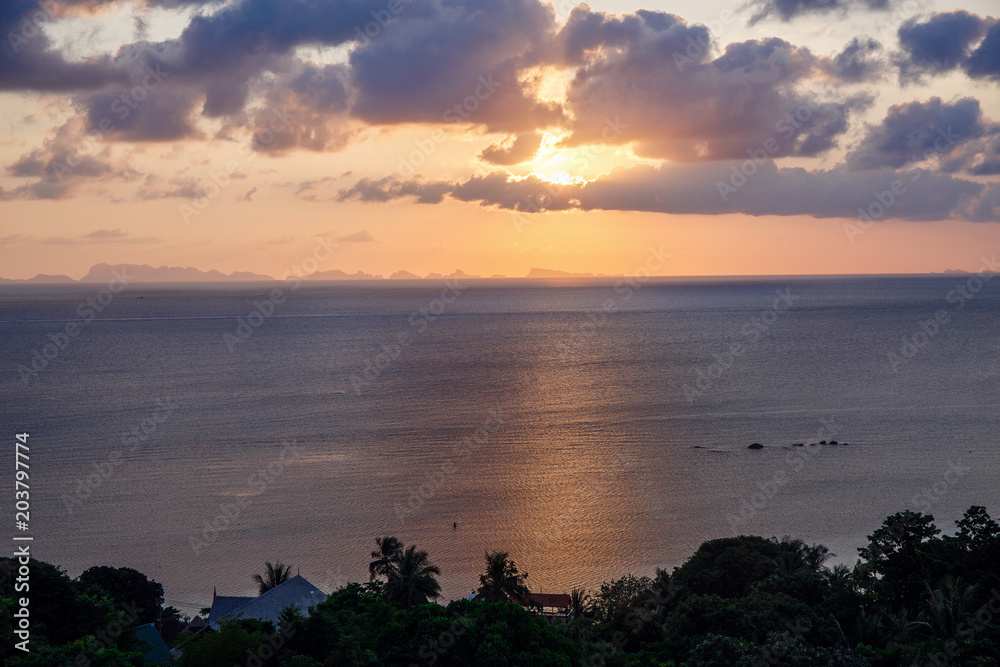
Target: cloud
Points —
{"points": [[454, 62], [386, 189], [940, 44], [717, 188], [181, 187], [859, 61], [303, 107], [107, 234], [919, 131], [66, 161], [985, 60], [116, 236], [516, 149], [786, 10], [27, 59], [357, 237], [649, 80], [307, 190], [248, 195]]}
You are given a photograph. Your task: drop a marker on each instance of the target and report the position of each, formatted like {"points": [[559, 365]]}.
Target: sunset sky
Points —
{"points": [[499, 135]]}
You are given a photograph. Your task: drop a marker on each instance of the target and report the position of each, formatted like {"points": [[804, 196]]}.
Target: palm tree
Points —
{"points": [[274, 575], [388, 549], [411, 579], [502, 580], [579, 603], [796, 557], [948, 607]]}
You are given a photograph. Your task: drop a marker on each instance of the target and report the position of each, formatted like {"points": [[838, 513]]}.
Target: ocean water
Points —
{"points": [[590, 428]]}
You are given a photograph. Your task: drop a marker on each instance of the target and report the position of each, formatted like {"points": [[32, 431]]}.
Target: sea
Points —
{"points": [[591, 428]]}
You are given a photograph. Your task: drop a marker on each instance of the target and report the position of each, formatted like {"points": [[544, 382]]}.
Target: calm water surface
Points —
{"points": [[591, 431]]}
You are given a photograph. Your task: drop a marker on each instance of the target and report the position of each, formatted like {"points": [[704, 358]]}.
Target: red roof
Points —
{"points": [[560, 600]]}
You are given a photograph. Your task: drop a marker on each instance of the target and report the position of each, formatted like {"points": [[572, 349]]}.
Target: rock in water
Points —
{"points": [[756, 445]]}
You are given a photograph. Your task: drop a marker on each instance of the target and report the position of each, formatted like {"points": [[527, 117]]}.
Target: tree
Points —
{"points": [[382, 557], [411, 578], [274, 576], [579, 603], [796, 557], [229, 646], [172, 613], [620, 596], [502, 580], [976, 530], [727, 566], [895, 561], [130, 589]]}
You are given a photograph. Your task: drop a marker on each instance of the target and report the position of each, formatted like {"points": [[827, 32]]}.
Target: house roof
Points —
{"points": [[157, 651], [225, 605], [296, 592], [197, 624], [560, 600]]}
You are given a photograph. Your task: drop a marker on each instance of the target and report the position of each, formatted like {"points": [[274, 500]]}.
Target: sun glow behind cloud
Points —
{"points": [[564, 165]]}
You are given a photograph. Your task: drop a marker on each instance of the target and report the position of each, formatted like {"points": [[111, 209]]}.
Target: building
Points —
{"points": [[296, 592], [551, 605]]}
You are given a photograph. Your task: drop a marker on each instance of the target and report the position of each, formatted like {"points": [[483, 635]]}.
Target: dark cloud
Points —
{"points": [[304, 107], [979, 157], [939, 44], [385, 189], [985, 60], [786, 10], [454, 62], [654, 83], [515, 150], [155, 187], [66, 161], [919, 131], [27, 60], [859, 61], [985, 208], [714, 188]]}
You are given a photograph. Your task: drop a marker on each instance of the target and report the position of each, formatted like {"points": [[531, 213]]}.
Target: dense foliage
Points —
{"points": [[915, 597]]}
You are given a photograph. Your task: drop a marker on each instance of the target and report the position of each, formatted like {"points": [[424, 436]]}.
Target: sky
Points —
{"points": [[747, 137]]}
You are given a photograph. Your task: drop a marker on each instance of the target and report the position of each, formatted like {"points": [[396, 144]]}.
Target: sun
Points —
{"points": [[576, 165], [557, 165]]}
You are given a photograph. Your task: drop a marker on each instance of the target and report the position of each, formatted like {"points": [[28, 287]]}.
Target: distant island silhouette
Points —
{"points": [[143, 273]]}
